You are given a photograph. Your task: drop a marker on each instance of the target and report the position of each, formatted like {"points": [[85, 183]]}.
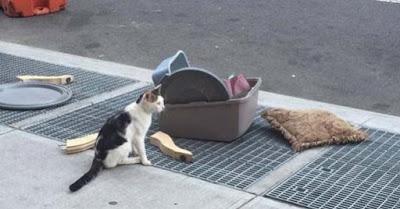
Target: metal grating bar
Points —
{"points": [[352, 176], [237, 164], [87, 84], [86, 120]]}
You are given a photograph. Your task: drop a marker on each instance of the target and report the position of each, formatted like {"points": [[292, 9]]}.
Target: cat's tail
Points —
{"points": [[97, 165]]}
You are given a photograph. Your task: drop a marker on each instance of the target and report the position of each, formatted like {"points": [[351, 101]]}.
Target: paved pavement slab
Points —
{"points": [[36, 174], [266, 203], [385, 123], [4, 129]]}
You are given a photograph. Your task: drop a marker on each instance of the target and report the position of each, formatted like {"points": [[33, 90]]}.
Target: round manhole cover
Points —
{"points": [[32, 95]]}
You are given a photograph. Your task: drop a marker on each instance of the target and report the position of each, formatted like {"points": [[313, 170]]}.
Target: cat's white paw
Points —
{"points": [[146, 162]]}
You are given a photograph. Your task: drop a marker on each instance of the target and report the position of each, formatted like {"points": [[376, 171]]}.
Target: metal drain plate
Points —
{"points": [[87, 84], [32, 95], [237, 164], [366, 175], [86, 120]]}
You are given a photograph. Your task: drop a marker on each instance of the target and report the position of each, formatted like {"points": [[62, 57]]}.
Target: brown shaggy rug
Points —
{"points": [[310, 128]]}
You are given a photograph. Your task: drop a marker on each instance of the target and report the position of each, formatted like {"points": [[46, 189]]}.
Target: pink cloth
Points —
{"points": [[237, 86]]}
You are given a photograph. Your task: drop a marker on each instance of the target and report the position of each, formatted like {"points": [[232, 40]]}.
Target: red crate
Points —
{"points": [[27, 8]]}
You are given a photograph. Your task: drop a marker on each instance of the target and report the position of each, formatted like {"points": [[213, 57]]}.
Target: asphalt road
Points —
{"points": [[337, 51]]}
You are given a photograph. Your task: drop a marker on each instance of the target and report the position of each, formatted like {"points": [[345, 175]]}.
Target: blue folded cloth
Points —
{"points": [[170, 65]]}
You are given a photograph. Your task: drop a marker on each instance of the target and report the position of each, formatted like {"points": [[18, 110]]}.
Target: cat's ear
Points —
{"points": [[139, 99], [157, 90]]}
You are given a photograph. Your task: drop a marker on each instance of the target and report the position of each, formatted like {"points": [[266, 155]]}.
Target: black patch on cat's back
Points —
{"points": [[111, 134]]}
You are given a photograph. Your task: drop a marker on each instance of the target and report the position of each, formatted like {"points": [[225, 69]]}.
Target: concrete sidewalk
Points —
{"points": [[36, 174]]}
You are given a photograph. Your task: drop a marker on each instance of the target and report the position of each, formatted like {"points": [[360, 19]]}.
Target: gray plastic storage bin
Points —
{"points": [[217, 121]]}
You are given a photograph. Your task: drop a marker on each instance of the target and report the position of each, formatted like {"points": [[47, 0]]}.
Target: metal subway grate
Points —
{"points": [[87, 84], [366, 175], [86, 120], [237, 164]]}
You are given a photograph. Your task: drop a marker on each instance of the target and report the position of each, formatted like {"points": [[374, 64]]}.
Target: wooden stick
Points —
{"points": [[167, 146], [62, 79]]}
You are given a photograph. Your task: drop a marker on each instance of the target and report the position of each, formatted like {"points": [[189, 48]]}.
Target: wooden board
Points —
{"points": [[62, 79], [80, 144], [167, 146]]}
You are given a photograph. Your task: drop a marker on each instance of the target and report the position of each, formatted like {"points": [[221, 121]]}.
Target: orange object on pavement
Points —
{"points": [[27, 8]]}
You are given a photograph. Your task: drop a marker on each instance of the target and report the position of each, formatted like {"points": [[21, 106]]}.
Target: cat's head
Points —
{"points": [[152, 100]]}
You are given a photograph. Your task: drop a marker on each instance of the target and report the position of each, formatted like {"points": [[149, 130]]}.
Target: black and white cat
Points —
{"points": [[122, 134]]}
